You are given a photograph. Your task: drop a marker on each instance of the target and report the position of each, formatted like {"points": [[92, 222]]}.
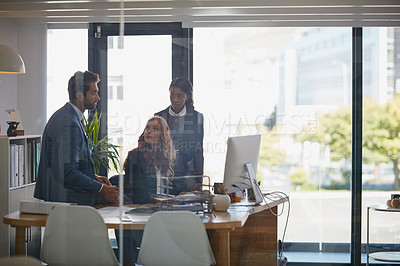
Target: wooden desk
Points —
{"points": [[241, 236]]}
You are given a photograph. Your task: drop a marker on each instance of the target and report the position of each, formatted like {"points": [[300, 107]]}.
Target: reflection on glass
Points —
{"points": [[293, 85], [138, 79], [381, 135], [139, 74], [286, 84]]}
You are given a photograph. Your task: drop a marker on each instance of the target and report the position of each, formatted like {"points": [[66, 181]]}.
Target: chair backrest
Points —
{"points": [[175, 238], [19, 261], [76, 235]]}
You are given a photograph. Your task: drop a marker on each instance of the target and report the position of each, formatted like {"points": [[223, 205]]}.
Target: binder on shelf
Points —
{"points": [[12, 164], [33, 164], [21, 165], [16, 175], [24, 156], [33, 160], [29, 166], [37, 158]]}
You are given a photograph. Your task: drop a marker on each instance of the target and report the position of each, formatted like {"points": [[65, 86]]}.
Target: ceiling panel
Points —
{"points": [[209, 13]]}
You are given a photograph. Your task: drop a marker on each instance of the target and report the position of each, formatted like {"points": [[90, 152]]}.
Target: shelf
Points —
{"points": [[385, 256], [22, 186], [17, 189], [388, 256], [384, 208]]}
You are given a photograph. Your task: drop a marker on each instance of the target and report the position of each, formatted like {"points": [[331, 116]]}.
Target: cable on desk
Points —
{"points": [[281, 195], [274, 196]]}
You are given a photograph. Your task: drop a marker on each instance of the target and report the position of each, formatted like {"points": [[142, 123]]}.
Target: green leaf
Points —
{"points": [[103, 152]]}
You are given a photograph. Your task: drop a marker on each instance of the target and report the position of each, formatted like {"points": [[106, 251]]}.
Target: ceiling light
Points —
{"points": [[10, 61]]}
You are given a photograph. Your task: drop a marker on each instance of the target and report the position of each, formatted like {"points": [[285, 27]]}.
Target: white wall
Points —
{"points": [[8, 83], [32, 45], [26, 92]]}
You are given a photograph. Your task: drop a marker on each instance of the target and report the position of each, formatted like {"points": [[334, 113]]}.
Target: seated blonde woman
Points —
{"points": [[153, 157]]}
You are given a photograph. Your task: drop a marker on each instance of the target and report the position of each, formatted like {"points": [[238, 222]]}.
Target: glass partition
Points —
{"points": [[137, 88], [293, 86], [381, 135]]}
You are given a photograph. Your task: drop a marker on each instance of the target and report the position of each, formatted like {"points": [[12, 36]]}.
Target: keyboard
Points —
{"points": [[184, 207]]}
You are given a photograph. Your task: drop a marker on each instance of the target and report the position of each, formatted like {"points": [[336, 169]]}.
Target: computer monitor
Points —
{"points": [[241, 165]]}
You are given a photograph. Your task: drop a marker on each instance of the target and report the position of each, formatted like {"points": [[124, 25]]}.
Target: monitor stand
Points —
{"points": [[247, 180]]}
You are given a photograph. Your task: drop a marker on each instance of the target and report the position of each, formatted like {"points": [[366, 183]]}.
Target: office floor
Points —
{"points": [[303, 258], [326, 258]]}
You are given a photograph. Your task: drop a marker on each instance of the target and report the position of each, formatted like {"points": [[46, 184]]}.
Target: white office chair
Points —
{"points": [[175, 238], [76, 235], [19, 261]]}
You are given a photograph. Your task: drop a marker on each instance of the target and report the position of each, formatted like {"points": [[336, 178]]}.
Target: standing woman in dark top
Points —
{"points": [[151, 160], [187, 130]]}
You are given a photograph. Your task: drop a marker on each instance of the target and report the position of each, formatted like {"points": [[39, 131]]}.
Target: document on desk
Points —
{"points": [[117, 212]]}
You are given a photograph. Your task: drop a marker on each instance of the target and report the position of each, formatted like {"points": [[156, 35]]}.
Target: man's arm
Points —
{"points": [[104, 180], [74, 155]]}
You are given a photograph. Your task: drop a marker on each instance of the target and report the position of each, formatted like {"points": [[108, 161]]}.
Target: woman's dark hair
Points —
{"points": [[80, 82], [187, 88]]}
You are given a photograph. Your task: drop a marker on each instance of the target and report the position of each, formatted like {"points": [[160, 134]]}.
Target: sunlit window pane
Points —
{"points": [[381, 154], [66, 54], [287, 84], [139, 76]]}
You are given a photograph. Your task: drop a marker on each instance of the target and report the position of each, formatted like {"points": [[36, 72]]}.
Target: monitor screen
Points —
{"points": [[241, 150]]}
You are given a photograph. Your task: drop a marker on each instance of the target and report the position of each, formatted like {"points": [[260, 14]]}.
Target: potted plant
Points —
{"points": [[219, 188], [221, 200], [103, 151]]}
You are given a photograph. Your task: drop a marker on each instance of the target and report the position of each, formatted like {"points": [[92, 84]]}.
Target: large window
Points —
{"points": [[291, 85], [294, 86], [66, 54], [381, 119], [280, 83], [133, 84], [136, 71]]}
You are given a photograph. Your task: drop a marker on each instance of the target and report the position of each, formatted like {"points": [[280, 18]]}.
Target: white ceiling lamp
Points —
{"points": [[10, 61]]}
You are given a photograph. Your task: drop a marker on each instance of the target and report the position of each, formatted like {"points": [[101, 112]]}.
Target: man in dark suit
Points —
{"points": [[66, 171]]}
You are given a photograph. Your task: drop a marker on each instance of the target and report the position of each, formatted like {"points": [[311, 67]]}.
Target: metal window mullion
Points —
{"points": [[356, 175]]}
